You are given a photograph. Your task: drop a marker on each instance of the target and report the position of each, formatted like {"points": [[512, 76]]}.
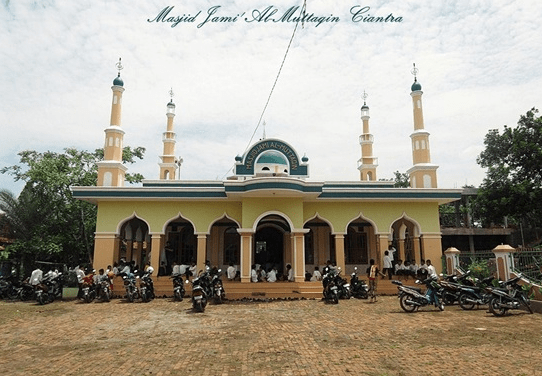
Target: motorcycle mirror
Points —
{"points": [[219, 270], [339, 268], [355, 268], [186, 281]]}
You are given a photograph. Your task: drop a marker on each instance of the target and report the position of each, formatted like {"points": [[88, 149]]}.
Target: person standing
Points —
{"points": [[388, 266], [372, 273], [36, 277]]}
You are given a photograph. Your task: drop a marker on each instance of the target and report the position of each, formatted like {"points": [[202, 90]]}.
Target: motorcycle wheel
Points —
{"points": [[40, 299], [496, 309], [198, 306], [464, 304], [107, 298], [130, 297], [218, 299], [335, 299], [448, 299], [178, 296], [405, 305], [527, 303], [25, 295], [12, 294]]}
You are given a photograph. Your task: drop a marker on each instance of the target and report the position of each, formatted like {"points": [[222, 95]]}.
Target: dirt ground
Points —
{"points": [[300, 337]]}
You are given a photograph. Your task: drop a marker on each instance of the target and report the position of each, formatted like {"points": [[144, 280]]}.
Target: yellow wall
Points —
{"points": [[156, 214], [383, 214]]}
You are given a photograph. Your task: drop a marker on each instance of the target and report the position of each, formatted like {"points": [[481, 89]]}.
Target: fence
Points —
{"points": [[528, 262], [481, 263]]}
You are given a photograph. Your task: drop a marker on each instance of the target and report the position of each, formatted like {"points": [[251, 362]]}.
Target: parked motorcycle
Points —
{"points": [[509, 296], [476, 295], [88, 289], [412, 299], [331, 290], [8, 290], [358, 287], [452, 285], [199, 295], [49, 288], [103, 288], [132, 292], [178, 287], [146, 287], [217, 288]]}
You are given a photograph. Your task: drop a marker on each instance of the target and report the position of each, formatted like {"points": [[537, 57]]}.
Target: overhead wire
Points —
{"points": [[302, 19]]}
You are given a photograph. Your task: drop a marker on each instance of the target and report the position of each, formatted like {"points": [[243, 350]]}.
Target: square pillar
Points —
{"points": [[156, 247], [339, 252], [298, 237], [246, 253], [201, 252], [432, 246], [104, 250], [504, 258], [452, 260]]}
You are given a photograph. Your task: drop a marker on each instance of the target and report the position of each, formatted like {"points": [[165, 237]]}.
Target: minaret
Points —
{"points": [[169, 165], [423, 174], [367, 164], [111, 171]]}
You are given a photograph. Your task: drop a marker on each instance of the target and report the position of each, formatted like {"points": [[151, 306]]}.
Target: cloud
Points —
{"points": [[479, 68]]}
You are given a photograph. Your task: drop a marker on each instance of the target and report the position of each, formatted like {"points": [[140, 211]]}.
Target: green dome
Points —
{"points": [[272, 157], [416, 86], [118, 81]]}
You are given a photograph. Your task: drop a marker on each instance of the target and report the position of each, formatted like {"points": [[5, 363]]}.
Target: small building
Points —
{"points": [[268, 212]]}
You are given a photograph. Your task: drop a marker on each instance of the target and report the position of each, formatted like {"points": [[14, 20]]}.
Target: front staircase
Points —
{"points": [[163, 287]]}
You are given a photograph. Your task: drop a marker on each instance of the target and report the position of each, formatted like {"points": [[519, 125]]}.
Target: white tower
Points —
{"points": [[368, 163], [423, 174]]}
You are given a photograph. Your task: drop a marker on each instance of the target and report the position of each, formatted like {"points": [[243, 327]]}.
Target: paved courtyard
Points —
{"points": [[302, 337]]}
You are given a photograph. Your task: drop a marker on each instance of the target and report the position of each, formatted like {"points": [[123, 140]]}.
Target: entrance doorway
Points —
{"points": [[269, 242]]}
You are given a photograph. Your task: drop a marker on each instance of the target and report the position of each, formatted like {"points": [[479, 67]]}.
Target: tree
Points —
{"points": [[513, 183], [401, 180], [46, 221]]}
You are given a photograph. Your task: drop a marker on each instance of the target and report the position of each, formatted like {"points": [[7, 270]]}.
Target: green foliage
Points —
{"points": [[479, 268], [46, 221], [513, 183], [401, 180]]}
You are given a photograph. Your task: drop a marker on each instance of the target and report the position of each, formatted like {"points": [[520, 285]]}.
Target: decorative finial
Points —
{"points": [[264, 130], [119, 66], [414, 71], [364, 96], [171, 94]]}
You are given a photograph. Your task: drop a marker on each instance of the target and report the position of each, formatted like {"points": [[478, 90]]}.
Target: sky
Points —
{"points": [[478, 63]]}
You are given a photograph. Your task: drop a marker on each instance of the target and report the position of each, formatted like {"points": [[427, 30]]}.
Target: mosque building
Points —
{"points": [[267, 212]]}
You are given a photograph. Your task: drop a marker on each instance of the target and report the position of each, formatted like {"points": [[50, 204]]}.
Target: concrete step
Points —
{"points": [[163, 287]]}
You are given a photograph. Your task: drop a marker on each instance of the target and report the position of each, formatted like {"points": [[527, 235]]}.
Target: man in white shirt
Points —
{"points": [[388, 266], [253, 274], [431, 271], [290, 273], [176, 270], [36, 277], [316, 275], [231, 272], [272, 275]]}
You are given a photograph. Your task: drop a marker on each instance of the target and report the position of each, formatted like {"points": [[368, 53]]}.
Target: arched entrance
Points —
{"points": [[319, 244], [360, 245], [406, 240], [224, 244], [270, 243], [180, 243], [135, 242]]}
